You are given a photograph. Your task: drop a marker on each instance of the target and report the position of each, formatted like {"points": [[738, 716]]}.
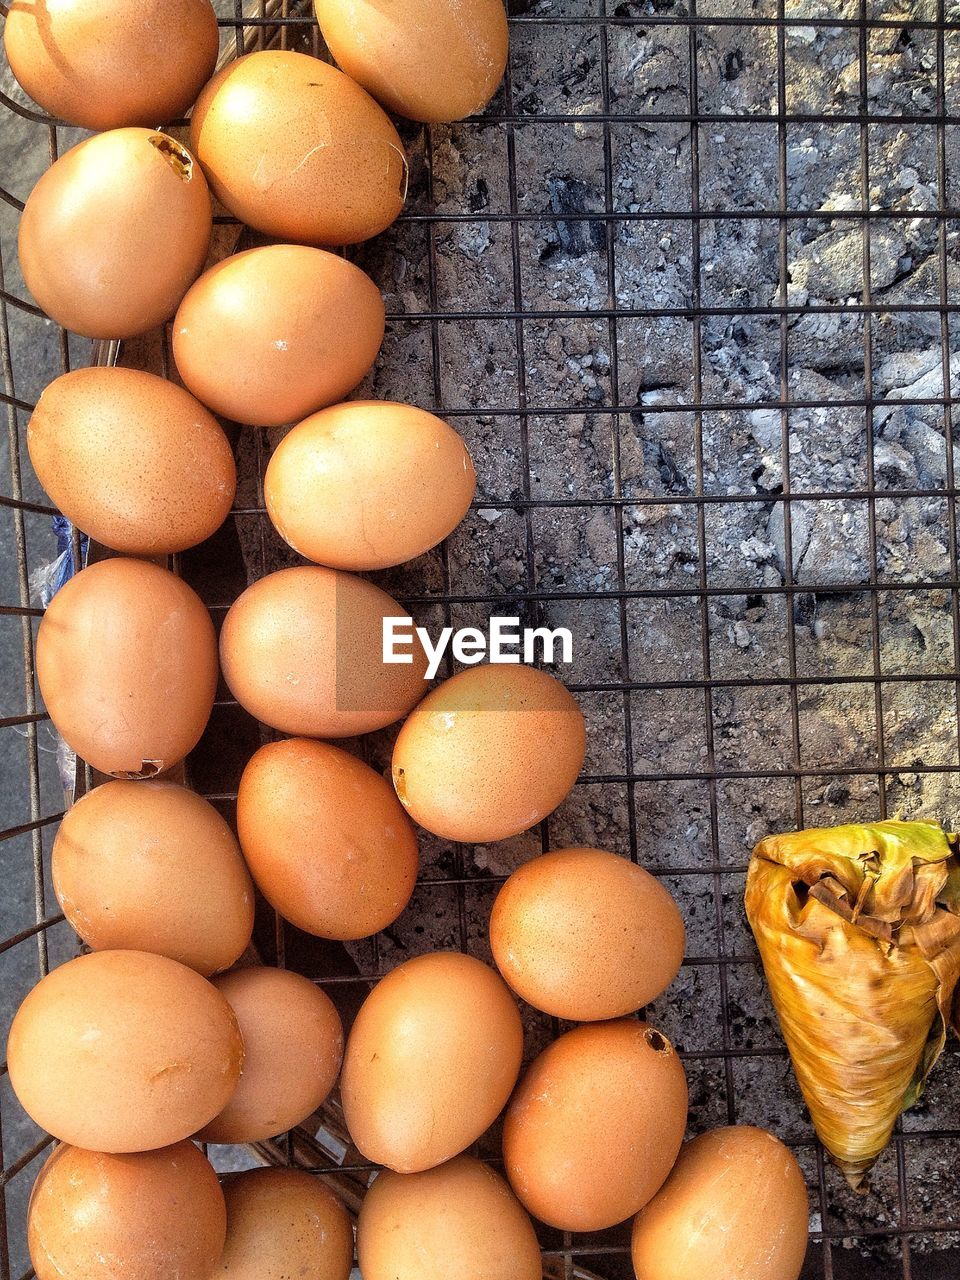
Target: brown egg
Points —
{"points": [[368, 484], [127, 666], [154, 1215], [132, 460], [269, 335], [149, 866], [734, 1208], [123, 1051], [431, 60], [326, 839], [585, 935], [430, 1062], [489, 753], [299, 151], [302, 650], [284, 1223], [115, 232], [105, 63], [457, 1222], [595, 1125], [292, 1047]]}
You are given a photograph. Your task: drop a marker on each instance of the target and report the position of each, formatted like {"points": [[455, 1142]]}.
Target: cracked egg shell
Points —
{"points": [[102, 64], [326, 839], [430, 1062], [267, 336], [292, 1047], [127, 667], [132, 459], [595, 1125], [368, 484], [153, 1215], [584, 934], [302, 650], [123, 1051], [431, 60], [735, 1206], [281, 1224], [126, 862], [115, 232], [489, 753], [294, 148], [456, 1222]]}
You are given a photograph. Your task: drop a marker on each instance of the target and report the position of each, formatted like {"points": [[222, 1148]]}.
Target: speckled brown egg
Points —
{"points": [[368, 484], [153, 1215], [150, 866], [106, 63], [326, 839], [270, 335], [431, 60], [115, 232], [127, 666], [457, 1222], [302, 650], [583, 934], [734, 1208], [489, 753], [123, 1051], [296, 149], [292, 1047], [284, 1223], [595, 1125], [430, 1061], [132, 460]]}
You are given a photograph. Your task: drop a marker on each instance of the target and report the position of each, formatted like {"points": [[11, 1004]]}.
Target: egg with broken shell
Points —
{"points": [[115, 232]]}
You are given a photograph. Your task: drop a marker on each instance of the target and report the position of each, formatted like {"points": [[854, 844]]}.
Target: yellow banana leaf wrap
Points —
{"points": [[859, 932]]}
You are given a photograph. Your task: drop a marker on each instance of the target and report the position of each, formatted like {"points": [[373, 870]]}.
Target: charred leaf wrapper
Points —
{"points": [[859, 932]]}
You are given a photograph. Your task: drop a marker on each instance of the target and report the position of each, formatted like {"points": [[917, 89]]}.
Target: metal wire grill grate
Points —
{"points": [[641, 784]]}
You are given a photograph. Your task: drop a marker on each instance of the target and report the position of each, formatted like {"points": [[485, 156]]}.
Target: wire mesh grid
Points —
{"points": [[688, 799]]}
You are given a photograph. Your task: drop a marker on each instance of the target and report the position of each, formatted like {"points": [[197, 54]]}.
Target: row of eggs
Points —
{"points": [[111, 242], [118, 228], [591, 1133], [143, 468], [105, 63]]}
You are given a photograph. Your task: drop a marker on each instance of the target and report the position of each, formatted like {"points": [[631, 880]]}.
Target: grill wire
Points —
{"points": [[604, 1256]]}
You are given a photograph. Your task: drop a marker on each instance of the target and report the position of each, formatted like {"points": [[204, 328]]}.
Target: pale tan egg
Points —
{"points": [[123, 1051], [302, 650], [734, 1208], [326, 839], [583, 934], [595, 1125], [368, 484], [127, 666], [430, 1061], [298, 150], [115, 232], [153, 1215], [101, 64], [456, 1222], [430, 60], [150, 866], [284, 1224], [292, 1047], [272, 334], [132, 460], [489, 753]]}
